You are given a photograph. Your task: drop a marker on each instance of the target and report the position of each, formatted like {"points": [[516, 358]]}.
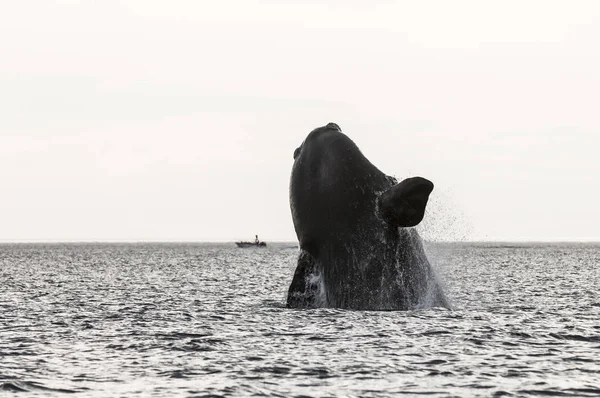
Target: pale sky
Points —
{"points": [[177, 120]]}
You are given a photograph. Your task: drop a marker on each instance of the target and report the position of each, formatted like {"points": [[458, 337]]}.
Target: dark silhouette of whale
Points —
{"points": [[352, 221]]}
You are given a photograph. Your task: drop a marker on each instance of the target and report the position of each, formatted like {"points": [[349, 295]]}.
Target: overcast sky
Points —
{"points": [[177, 120]]}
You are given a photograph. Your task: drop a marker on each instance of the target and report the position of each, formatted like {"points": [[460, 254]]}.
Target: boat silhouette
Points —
{"points": [[256, 243]]}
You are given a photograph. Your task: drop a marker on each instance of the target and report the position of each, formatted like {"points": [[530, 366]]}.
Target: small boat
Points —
{"points": [[251, 244], [256, 243]]}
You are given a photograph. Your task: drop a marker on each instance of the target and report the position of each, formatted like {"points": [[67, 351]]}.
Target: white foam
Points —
{"points": [[316, 280]]}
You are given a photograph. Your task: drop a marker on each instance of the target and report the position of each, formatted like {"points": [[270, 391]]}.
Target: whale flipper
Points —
{"points": [[403, 205], [303, 290]]}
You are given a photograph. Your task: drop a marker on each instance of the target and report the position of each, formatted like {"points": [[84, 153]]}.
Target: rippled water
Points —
{"points": [[209, 320]]}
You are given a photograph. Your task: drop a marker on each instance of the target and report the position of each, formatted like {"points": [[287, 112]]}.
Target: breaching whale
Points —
{"points": [[352, 221]]}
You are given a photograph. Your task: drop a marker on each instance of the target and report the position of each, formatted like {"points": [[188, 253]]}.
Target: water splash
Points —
{"points": [[315, 282], [444, 220]]}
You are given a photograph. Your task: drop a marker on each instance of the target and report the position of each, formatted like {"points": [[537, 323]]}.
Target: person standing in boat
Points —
{"points": [[256, 241]]}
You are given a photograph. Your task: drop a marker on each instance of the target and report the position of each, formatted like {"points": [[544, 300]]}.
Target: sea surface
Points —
{"points": [[209, 320]]}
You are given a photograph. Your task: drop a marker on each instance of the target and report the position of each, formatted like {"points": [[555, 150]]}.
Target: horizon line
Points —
{"points": [[295, 241]]}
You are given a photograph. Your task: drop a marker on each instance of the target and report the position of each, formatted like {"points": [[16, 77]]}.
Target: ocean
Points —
{"points": [[209, 320]]}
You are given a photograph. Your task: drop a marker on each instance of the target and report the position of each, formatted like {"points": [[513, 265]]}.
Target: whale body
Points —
{"points": [[358, 249]]}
